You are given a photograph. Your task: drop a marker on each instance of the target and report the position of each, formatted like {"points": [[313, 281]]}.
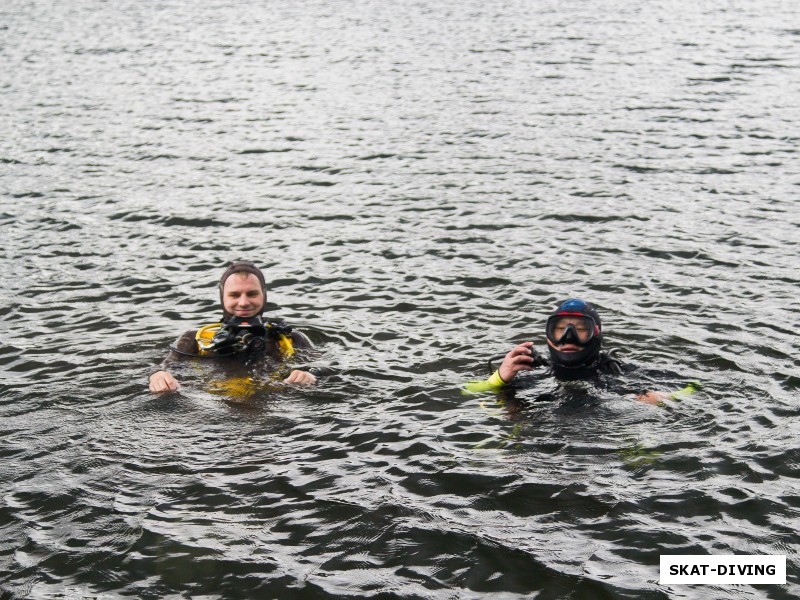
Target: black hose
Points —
{"points": [[494, 358]]}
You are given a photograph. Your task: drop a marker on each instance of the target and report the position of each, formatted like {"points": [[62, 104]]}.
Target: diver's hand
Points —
{"points": [[161, 381], [654, 397], [300, 377], [519, 359]]}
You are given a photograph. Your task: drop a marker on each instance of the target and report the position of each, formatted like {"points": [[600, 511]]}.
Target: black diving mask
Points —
{"points": [[571, 328]]}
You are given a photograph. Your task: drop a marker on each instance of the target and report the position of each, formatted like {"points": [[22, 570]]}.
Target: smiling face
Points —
{"points": [[242, 295]]}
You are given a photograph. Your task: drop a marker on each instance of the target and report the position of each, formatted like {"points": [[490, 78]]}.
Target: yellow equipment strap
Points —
{"points": [[206, 333], [204, 336], [286, 345]]}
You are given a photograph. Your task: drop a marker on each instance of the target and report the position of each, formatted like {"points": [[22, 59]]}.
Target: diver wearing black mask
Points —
{"points": [[574, 341], [574, 336]]}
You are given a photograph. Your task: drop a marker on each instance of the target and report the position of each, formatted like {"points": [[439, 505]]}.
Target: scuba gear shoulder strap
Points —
{"points": [[239, 335], [609, 363]]}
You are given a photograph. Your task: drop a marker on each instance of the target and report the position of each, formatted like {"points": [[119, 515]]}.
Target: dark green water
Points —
{"points": [[423, 182]]}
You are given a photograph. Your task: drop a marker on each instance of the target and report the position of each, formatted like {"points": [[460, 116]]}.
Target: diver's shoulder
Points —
{"points": [[300, 339], [187, 342], [612, 362]]}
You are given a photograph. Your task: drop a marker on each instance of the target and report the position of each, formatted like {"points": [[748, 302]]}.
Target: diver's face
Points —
{"points": [[582, 328], [242, 296]]}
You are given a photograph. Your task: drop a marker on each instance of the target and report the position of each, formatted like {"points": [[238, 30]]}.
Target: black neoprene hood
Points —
{"points": [[241, 266], [590, 352]]}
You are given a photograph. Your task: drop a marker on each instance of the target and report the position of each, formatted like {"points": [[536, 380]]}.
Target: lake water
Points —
{"points": [[422, 182]]}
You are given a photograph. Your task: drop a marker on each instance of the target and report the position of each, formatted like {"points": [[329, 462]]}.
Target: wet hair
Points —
{"points": [[241, 267]]}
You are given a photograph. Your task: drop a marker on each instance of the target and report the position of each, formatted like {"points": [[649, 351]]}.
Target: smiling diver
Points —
{"points": [[243, 333]]}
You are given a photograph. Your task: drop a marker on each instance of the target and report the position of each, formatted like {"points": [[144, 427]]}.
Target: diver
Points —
{"points": [[574, 337], [243, 332]]}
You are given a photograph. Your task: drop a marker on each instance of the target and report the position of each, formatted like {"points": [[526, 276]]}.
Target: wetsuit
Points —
{"points": [[186, 347], [597, 373], [577, 387]]}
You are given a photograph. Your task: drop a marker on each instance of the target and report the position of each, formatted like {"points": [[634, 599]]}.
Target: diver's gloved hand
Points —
{"points": [[162, 381], [301, 378], [519, 359]]}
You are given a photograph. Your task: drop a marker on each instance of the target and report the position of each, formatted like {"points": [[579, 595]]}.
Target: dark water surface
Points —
{"points": [[423, 182]]}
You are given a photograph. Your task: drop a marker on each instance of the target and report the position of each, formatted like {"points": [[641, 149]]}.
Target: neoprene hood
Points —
{"points": [[590, 352], [241, 266]]}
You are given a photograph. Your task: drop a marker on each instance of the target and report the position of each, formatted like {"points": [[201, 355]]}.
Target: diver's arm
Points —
{"points": [[305, 375], [495, 382], [301, 378], [162, 380], [520, 358]]}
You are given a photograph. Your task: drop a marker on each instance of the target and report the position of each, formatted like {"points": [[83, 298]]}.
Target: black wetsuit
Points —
{"points": [[577, 387]]}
